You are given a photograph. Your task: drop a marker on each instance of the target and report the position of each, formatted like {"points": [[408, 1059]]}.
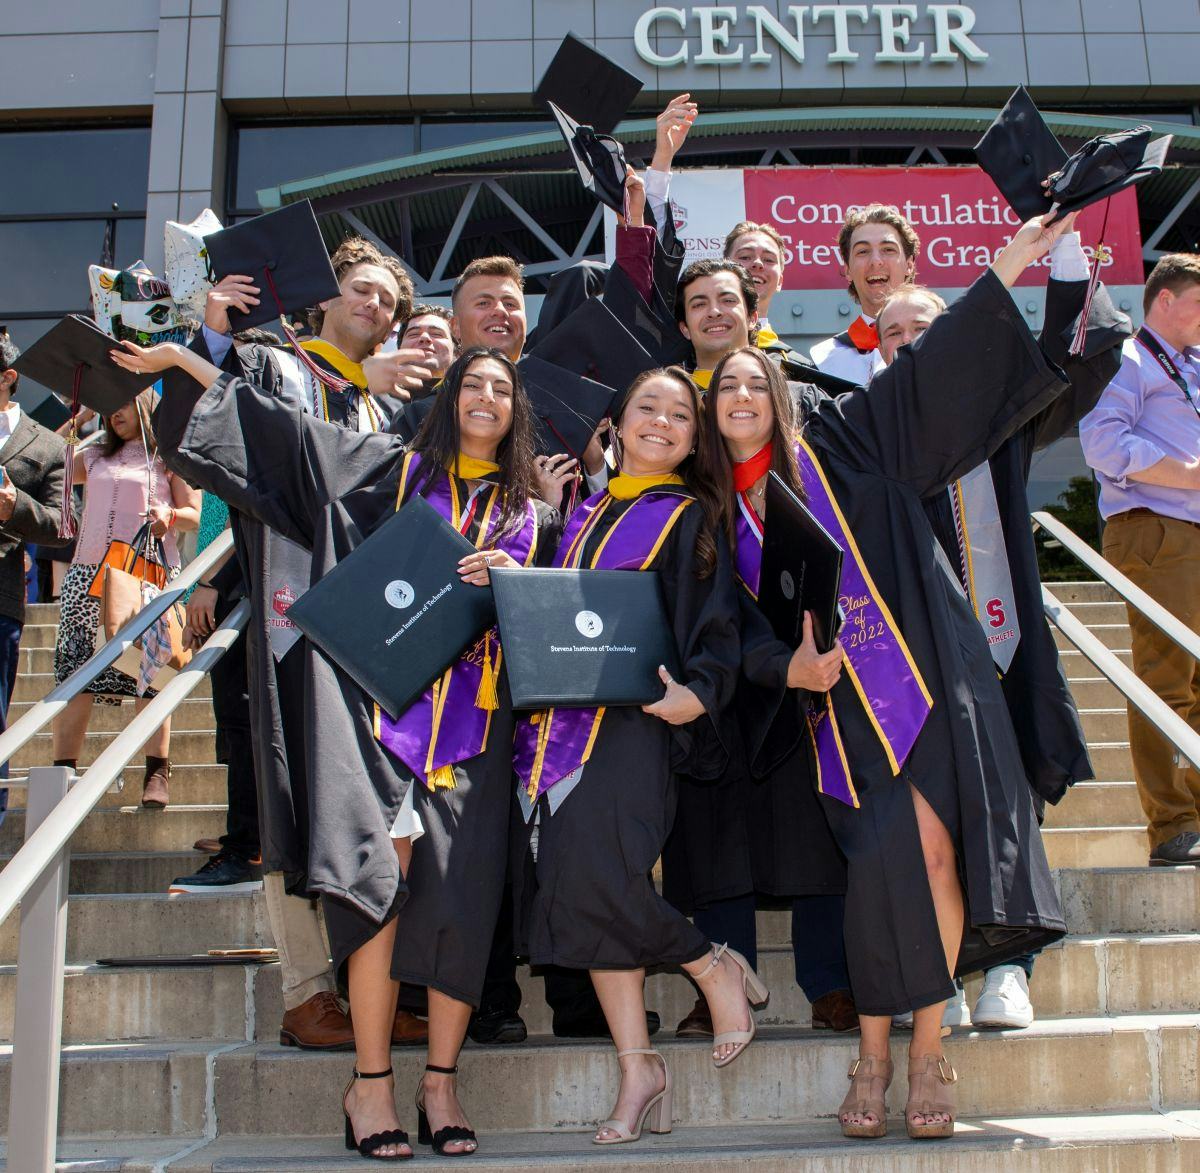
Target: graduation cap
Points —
{"points": [[591, 341], [284, 254], [589, 86], [1019, 151], [657, 332], [599, 159], [566, 406], [72, 359]]}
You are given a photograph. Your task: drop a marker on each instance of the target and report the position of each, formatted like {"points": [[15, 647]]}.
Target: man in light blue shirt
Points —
{"points": [[1143, 440]]}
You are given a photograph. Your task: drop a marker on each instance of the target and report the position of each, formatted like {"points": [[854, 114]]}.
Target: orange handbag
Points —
{"points": [[143, 558]]}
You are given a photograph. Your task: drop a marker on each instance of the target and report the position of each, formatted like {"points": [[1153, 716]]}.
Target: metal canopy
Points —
{"points": [[436, 210]]}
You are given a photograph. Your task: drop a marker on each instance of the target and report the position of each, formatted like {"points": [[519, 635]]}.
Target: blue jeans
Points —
{"points": [[10, 647], [817, 942]]}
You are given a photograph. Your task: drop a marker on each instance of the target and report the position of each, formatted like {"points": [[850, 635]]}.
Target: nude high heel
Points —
{"points": [[656, 1110], [757, 996]]}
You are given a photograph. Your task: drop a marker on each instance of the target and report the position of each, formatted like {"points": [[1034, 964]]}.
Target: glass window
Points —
{"points": [[437, 134], [55, 171], [45, 264], [266, 156]]}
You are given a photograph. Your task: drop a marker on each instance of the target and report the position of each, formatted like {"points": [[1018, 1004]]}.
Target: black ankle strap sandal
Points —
{"points": [[377, 1140], [451, 1133]]}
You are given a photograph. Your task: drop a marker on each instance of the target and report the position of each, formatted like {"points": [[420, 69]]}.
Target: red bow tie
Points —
{"points": [[864, 335]]}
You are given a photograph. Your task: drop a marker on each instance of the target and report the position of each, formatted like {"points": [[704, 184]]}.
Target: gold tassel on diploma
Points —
{"points": [[485, 697]]}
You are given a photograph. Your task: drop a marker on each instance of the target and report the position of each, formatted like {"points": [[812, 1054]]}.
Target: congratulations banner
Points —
{"points": [[962, 220]]}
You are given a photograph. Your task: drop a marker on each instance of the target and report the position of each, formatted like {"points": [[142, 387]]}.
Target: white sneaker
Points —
{"points": [[954, 1015], [1004, 1000]]}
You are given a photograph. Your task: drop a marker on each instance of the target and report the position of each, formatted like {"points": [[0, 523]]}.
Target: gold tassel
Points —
{"points": [[442, 778], [485, 697]]}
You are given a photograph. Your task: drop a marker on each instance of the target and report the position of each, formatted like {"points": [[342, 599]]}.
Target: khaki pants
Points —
{"points": [[1162, 556], [300, 938]]}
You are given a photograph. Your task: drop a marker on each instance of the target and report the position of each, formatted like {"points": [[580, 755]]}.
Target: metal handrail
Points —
{"points": [[1184, 739], [30, 724], [1129, 591]]}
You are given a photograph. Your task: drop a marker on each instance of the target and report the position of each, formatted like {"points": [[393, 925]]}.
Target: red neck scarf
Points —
{"points": [[864, 335], [746, 472]]}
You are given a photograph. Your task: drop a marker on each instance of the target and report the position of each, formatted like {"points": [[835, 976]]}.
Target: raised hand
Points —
{"points": [[672, 129], [398, 373], [234, 291], [635, 199]]}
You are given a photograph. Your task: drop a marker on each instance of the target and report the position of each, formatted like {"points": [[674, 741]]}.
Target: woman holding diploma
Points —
{"points": [[916, 760], [407, 818], [599, 782]]}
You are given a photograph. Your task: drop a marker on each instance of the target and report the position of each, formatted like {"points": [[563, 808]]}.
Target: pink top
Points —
{"points": [[114, 499]]}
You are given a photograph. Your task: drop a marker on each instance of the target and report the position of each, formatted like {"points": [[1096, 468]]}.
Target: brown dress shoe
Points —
{"points": [[697, 1024], [835, 1012], [154, 785], [409, 1031], [320, 1024]]}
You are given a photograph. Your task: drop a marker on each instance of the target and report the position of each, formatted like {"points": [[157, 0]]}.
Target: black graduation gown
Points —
{"points": [[760, 827], [883, 452], [276, 687], [1049, 731], [328, 488], [589, 901]]}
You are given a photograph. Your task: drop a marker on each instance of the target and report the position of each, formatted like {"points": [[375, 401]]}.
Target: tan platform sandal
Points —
{"points": [[757, 996], [656, 1111], [870, 1079], [929, 1080]]}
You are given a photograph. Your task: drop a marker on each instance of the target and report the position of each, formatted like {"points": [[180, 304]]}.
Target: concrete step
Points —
{"points": [[1077, 666], [104, 872], [32, 686], [188, 747], [1096, 692], [1089, 613], [1097, 901], [1107, 724], [1083, 592], [1084, 977], [43, 613], [1111, 760], [1111, 635], [39, 635], [129, 828], [1096, 804], [1146, 1142], [1096, 847], [1134, 1063], [191, 714]]}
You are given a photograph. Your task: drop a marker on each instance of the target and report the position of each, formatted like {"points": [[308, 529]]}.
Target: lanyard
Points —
{"points": [[1164, 360]]}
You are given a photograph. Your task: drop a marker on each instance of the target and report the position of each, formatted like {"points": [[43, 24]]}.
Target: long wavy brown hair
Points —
{"points": [[439, 440], [144, 404], [783, 436], [694, 468]]}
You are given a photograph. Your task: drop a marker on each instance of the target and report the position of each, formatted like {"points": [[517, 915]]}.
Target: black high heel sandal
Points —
{"points": [[367, 1146], [451, 1133]]}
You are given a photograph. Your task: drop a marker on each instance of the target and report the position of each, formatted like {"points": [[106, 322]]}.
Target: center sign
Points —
{"points": [[660, 35]]}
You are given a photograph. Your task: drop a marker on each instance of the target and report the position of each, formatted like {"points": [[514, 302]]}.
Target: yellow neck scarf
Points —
{"points": [[702, 379], [625, 487], [470, 469], [336, 359], [766, 336]]}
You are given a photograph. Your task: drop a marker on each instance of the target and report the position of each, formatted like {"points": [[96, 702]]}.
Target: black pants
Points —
{"points": [[569, 992], [231, 706]]}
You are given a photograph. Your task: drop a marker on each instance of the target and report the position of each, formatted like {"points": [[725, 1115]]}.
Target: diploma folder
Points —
{"points": [[578, 638], [801, 570], [394, 614]]}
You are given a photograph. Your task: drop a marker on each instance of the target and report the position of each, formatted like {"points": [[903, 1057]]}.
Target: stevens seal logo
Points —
{"points": [[398, 594], [787, 584], [589, 624]]}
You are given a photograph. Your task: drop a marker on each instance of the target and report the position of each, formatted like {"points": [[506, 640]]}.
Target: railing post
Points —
{"points": [[37, 1026]]}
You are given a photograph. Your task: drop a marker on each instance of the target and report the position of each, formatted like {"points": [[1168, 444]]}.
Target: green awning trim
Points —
{"points": [[525, 146]]}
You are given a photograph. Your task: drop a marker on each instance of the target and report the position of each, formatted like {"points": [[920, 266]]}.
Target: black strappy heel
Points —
{"points": [[451, 1133], [367, 1146]]}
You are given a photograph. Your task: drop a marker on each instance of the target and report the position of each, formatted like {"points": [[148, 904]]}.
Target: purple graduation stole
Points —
{"points": [[748, 538], [553, 743], [878, 662], [449, 723]]}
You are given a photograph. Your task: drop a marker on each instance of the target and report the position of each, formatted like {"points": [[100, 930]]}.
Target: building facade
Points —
{"points": [[412, 120]]}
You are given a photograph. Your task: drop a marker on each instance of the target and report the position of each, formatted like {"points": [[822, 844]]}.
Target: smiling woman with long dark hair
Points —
{"points": [[407, 817]]}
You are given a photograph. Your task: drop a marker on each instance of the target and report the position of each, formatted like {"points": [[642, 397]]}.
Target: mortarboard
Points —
{"points": [[72, 359], [566, 406], [284, 254], [589, 86], [591, 341], [1019, 152], [599, 158]]}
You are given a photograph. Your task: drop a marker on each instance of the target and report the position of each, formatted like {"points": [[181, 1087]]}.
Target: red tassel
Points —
{"points": [[1099, 259], [333, 382]]}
